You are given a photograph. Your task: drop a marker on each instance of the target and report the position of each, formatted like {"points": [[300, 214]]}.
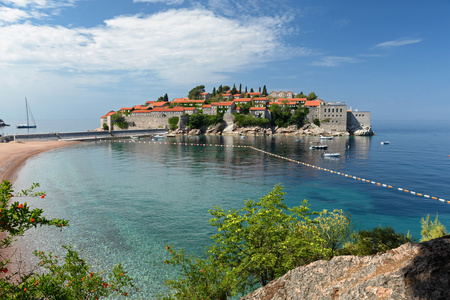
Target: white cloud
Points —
{"points": [[40, 3], [168, 2], [334, 61], [181, 46], [398, 43], [12, 15]]}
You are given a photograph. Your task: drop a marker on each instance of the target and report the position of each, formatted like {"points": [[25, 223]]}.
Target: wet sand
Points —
{"points": [[13, 155]]}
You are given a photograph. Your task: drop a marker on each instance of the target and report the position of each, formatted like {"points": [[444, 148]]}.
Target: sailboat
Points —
{"points": [[33, 125]]}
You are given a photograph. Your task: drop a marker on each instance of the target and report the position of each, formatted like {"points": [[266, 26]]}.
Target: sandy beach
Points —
{"points": [[13, 155]]}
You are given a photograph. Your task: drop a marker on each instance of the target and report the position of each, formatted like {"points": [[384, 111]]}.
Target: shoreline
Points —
{"points": [[13, 155]]}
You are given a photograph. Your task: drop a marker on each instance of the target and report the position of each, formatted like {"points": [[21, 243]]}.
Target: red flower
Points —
{"points": [[32, 220], [20, 205], [201, 270], [43, 196]]}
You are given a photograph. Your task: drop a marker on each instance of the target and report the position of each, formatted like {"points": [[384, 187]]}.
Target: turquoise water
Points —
{"points": [[126, 201]]}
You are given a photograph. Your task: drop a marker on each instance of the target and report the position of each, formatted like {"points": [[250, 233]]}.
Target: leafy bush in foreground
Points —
{"points": [[63, 278]]}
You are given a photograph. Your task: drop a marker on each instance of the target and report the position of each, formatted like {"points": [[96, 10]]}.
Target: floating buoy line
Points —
{"points": [[360, 179]]}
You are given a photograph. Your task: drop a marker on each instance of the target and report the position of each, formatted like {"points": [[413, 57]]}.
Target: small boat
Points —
{"points": [[385, 143], [27, 125], [330, 154], [157, 137], [318, 147], [134, 137], [3, 123], [322, 137]]}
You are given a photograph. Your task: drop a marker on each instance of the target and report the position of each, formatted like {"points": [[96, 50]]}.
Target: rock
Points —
{"points": [[411, 271], [217, 129]]}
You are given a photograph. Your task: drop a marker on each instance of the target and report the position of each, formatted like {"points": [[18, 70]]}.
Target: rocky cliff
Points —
{"points": [[412, 271]]}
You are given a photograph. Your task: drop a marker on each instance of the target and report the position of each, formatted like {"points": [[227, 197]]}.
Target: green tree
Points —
{"points": [[233, 90], [226, 88], [300, 95], [173, 123], [240, 88], [197, 120], [119, 120], [264, 91], [281, 116], [214, 91], [200, 278], [432, 230], [195, 92], [335, 228], [378, 239], [311, 96], [166, 98], [298, 117], [317, 122], [220, 90], [105, 126], [68, 278], [258, 242]]}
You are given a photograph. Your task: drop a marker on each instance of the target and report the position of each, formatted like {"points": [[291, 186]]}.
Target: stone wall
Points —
{"points": [[358, 120], [146, 122], [333, 117]]}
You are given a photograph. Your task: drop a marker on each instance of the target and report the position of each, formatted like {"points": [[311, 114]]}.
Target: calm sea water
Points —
{"points": [[126, 201]]}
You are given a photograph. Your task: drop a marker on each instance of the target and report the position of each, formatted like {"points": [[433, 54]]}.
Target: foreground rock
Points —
{"points": [[412, 271]]}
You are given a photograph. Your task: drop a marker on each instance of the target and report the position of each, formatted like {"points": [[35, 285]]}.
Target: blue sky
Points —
{"points": [[78, 59]]}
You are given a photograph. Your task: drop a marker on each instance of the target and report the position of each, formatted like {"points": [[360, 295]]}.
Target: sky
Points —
{"points": [[78, 59]]}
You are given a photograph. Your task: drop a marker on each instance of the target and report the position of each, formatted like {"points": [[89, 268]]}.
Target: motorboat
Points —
{"points": [[385, 143], [318, 147], [331, 154], [323, 137]]}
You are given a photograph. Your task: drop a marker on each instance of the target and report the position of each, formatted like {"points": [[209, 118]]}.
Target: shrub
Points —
{"points": [[173, 123], [317, 122], [66, 278], [432, 230], [378, 239], [105, 126]]}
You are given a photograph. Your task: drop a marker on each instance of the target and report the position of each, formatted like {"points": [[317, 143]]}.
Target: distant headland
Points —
{"points": [[229, 111]]}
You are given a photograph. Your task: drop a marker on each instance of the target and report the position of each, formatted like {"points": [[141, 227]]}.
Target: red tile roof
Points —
{"points": [[260, 98], [242, 100], [140, 111], [257, 108], [159, 104], [206, 106], [313, 103], [188, 101], [190, 108], [222, 103], [163, 109]]}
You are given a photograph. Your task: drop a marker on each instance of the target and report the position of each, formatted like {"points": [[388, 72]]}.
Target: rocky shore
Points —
{"points": [[412, 271], [224, 128]]}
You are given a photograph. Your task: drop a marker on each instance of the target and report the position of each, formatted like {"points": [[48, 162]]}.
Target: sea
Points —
{"points": [[127, 200]]}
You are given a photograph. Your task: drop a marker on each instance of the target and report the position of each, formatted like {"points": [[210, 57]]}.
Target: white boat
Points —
{"points": [[329, 154], [322, 137], [158, 137], [385, 143], [27, 125], [134, 137], [318, 147]]}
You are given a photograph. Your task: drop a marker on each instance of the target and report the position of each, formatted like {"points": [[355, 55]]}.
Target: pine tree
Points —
{"points": [[264, 92]]}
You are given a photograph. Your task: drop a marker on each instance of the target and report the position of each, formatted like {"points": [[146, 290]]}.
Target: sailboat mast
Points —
{"points": [[26, 107]]}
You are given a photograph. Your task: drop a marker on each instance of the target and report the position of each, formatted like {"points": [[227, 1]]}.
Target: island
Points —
{"points": [[229, 111]]}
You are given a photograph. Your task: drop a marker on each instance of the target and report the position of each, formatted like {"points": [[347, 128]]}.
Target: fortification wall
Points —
{"points": [[358, 120], [147, 122]]}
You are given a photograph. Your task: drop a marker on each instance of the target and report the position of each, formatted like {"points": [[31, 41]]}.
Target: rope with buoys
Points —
{"points": [[364, 180]]}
